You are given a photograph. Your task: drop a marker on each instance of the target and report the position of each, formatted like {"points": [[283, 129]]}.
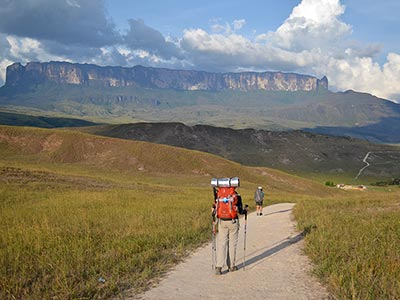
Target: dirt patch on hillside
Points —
{"points": [[11, 175]]}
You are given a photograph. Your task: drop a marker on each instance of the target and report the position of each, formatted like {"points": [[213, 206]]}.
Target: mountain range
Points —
{"points": [[259, 100]]}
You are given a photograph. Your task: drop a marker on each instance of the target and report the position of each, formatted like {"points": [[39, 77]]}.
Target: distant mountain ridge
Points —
{"points": [[291, 151], [13, 119], [269, 100], [147, 77]]}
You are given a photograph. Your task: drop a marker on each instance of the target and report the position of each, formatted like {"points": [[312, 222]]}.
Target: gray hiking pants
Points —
{"points": [[227, 240]]}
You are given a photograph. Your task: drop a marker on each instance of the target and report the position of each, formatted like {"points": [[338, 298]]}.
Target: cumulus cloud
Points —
{"points": [[141, 36], [311, 31], [13, 49], [79, 22], [234, 52], [312, 24], [364, 74], [312, 40]]}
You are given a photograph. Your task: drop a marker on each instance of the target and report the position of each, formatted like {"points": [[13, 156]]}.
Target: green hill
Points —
{"points": [[294, 151], [66, 148]]}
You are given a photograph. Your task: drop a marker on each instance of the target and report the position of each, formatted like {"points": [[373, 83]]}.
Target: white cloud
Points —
{"points": [[27, 49], [363, 74], [73, 3], [233, 52], [312, 24], [3, 65], [227, 28], [313, 40], [238, 24]]}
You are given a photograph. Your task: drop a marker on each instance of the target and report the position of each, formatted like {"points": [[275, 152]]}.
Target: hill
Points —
{"points": [[117, 156], [92, 217], [84, 216], [13, 119], [273, 101], [292, 151]]}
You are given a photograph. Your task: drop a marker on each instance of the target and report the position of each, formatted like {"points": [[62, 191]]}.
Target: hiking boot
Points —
{"points": [[260, 214], [218, 271], [233, 269]]}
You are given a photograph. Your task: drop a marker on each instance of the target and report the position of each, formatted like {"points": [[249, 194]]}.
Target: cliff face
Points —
{"points": [[92, 75]]}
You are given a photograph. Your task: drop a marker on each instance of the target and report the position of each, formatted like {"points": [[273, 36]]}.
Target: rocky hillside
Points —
{"points": [[293, 151], [92, 75]]}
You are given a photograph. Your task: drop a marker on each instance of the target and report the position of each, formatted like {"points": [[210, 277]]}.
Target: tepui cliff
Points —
{"points": [[148, 77]]}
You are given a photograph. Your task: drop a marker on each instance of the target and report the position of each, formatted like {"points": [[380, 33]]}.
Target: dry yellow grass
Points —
{"points": [[75, 209]]}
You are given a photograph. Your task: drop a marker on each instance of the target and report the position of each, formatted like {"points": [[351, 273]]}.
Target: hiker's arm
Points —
{"points": [[239, 205]]}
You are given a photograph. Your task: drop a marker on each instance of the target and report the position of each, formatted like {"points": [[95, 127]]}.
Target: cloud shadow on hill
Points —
{"points": [[385, 131]]}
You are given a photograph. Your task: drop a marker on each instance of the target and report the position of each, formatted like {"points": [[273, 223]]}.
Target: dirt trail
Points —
{"points": [[275, 266]]}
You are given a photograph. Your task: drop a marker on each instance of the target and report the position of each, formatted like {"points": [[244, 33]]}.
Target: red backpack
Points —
{"points": [[226, 202]]}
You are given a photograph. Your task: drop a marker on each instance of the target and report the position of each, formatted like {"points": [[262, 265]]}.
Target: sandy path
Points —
{"points": [[275, 266]]}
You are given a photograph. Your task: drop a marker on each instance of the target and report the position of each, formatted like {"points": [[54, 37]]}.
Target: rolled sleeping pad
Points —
{"points": [[225, 182], [235, 181], [214, 182]]}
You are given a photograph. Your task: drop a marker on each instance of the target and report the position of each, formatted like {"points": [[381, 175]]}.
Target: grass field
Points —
{"points": [[354, 241], [84, 217], [58, 241]]}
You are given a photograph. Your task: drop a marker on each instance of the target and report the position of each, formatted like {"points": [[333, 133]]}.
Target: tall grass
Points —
{"points": [[81, 221], [61, 244], [354, 241]]}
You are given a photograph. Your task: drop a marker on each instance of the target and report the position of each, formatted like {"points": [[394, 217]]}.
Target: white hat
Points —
{"points": [[260, 187]]}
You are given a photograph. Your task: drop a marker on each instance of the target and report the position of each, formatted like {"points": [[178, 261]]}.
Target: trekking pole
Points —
{"points": [[214, 229], [214, 246], [244, 243]]}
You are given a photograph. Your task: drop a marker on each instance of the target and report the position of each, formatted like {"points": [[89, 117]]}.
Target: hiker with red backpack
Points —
{"points": [[226, 209]]}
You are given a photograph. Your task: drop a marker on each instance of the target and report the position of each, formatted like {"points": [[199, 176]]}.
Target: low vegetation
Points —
{"points": [[85, 217], [67, 241], [354, 242], [395, 181]]}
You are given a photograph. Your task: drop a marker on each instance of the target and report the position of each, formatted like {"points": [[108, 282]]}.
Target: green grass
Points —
{"points": [[57, 242], [354, 241]]}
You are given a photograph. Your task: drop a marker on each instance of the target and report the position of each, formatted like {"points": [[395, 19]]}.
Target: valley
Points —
{"points": [[92, 162], [296, 152], [80, 215]]}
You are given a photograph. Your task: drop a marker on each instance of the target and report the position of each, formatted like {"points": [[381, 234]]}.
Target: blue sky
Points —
{"points": [[355, 43]]}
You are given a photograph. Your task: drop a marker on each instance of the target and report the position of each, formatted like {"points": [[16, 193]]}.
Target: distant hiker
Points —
{"points": [[259, 199], [227, 207]]}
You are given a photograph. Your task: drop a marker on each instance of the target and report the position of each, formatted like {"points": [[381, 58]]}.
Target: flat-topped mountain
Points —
{"points": [[268, 100], [92, 75]]}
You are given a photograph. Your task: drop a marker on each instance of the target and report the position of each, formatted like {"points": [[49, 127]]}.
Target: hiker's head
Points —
{"points": [[260, 188]]}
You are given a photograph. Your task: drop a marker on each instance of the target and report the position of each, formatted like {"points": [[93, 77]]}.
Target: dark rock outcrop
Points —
{"points": [[92, 75]]}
